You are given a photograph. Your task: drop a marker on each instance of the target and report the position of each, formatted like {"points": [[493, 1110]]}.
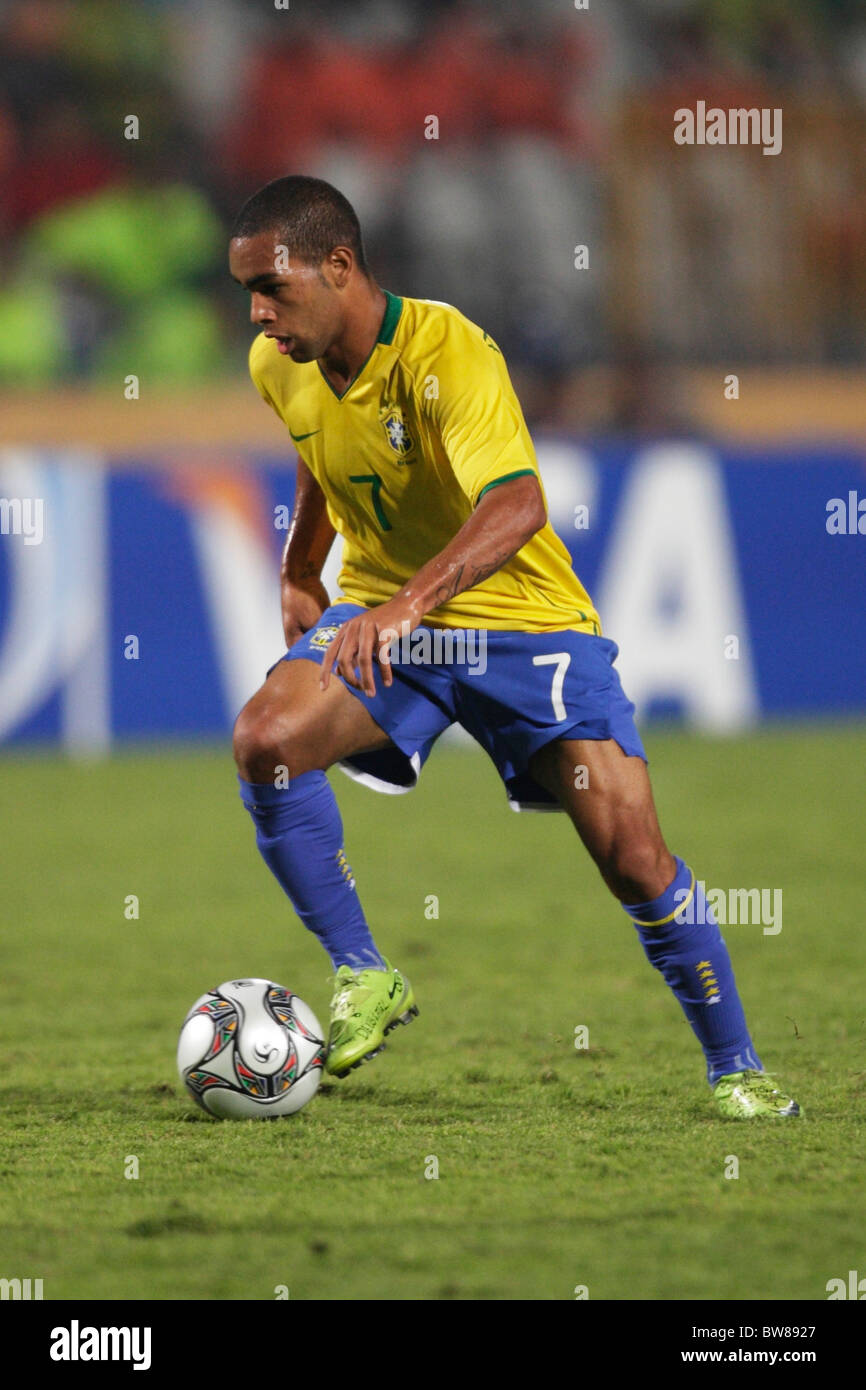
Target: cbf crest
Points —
{"points": [[398, 436], [324, 636]]}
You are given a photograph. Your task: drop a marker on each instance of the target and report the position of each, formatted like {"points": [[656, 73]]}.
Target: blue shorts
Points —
{"points": [[512, 691]]}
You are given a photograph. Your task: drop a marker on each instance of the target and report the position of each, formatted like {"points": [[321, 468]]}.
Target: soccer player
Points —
{"points": [[412, 446]]}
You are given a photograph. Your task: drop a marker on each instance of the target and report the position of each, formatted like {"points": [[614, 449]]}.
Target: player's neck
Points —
{"points": [[344, 358]]}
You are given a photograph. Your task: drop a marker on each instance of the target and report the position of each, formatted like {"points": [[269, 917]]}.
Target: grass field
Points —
{"points": [[557, 1167]]}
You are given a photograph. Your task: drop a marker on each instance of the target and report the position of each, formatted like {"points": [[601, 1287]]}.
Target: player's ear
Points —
{"points": [[339, 265]]}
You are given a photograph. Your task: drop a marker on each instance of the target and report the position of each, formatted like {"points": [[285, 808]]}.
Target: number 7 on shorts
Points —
{"points": [[561, 661]]}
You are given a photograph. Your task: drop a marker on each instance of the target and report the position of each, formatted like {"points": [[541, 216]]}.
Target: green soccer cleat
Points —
{"points": [[366, 1005], [751, 1095]]}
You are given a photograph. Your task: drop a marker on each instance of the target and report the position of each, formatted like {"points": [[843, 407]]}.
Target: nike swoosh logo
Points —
{"points": [[298, 437], [393, 990]]}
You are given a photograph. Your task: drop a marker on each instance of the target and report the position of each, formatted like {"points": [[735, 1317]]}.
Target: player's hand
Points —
{"points": [[303, 605], [365, 639]]}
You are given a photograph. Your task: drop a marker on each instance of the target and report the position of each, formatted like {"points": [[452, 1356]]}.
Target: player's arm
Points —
{"points": [[304, 597], [506, 517]]}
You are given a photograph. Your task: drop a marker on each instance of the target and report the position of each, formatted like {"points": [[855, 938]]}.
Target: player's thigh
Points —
{"points": [[607, 794], [292, 721]]}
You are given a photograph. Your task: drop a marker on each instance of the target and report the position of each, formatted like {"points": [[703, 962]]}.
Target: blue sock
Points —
{"points": [[300, 835], [681, 938]]}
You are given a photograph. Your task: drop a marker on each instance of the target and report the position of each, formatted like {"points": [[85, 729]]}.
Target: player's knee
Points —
{"points": [[258, 744], [637, 867]]}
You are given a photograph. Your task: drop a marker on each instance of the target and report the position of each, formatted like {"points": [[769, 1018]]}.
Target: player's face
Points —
{"points": [[293, 303]]}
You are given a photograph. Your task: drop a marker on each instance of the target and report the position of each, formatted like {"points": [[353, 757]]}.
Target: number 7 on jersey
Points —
{"points": [[376, 482]]}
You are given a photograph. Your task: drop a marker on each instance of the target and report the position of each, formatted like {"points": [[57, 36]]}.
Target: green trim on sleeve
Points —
{"points": [[506, 478]]}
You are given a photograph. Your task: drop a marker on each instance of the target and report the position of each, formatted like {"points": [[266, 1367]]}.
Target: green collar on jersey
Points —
{"points": [[392, 317], [393, 310]]}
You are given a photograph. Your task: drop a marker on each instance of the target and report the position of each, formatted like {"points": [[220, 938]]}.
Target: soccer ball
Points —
{"points": [[250, 1050]]}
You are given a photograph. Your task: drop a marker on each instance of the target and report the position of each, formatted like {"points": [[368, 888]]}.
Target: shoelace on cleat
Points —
{"points": [[346, 997], [759, 1083], [762, 1083]]}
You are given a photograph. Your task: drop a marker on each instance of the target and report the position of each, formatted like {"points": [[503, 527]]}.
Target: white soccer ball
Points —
{"points": [[250, 1050]]}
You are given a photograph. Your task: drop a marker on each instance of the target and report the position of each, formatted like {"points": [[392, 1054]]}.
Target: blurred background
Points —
{"points": [[696, 387]]}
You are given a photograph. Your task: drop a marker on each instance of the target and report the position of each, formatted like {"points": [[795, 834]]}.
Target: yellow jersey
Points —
{"points": [[429, 424]]}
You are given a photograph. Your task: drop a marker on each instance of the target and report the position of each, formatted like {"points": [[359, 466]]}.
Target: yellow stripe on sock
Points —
{"points": [[670, 917]]}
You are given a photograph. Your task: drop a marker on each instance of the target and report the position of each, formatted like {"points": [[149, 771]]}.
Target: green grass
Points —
{"points": [[556, 1167]]}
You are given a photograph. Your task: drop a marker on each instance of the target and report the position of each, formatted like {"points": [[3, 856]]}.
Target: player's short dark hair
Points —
{"points": [[310, 216]]}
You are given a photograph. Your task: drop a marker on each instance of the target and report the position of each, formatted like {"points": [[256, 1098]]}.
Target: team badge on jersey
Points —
{"points": [[399, 437], [324, 636]]}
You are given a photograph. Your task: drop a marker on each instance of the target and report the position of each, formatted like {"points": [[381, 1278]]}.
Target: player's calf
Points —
{"points": [[284, 738], [613, 811], [636, 864]]}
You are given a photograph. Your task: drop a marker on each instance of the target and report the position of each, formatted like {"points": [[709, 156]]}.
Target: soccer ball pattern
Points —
{"points": [[251, 1050]]}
